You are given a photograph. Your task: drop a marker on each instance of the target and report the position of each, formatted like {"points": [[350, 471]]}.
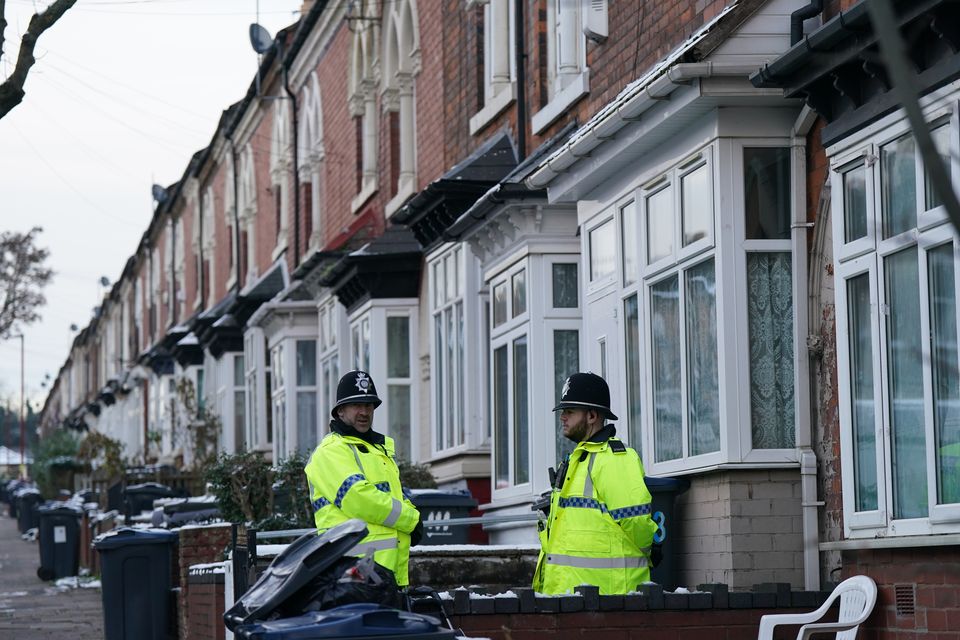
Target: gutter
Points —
{"points": [[626, 109]]}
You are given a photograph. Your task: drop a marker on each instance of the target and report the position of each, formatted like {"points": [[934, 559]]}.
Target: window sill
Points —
{"points": [[901, 542], [493, 108], [579, 87], [407, 188], [232, 280], [280, 248], [361, 198]]}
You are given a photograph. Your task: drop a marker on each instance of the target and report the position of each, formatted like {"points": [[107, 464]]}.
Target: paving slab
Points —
{"points": [[31, 609]]}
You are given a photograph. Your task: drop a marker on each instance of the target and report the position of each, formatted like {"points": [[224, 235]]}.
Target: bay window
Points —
{"points": [[897, 332], [447, 305], [331, 317]]}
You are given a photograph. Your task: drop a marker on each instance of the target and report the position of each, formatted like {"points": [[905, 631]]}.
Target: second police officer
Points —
{"points": [[599, 529], [353, 474]]}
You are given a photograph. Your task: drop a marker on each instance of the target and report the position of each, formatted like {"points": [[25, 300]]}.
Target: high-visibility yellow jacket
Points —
{"points": [[351, 478], [599, 530]]}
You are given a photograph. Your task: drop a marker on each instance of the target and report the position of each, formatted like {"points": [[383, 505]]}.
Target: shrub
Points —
{"points": [[58, 449], [415, 476]]}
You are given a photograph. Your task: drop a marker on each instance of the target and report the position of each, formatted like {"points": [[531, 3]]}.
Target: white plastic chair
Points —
{"points": [[857, 597]]}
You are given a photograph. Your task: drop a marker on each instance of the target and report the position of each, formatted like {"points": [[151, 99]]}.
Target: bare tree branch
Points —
{"points": [[11, 91], [22, 278]]}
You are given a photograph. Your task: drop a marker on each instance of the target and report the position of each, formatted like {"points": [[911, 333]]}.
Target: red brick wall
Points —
{"points": [[205, 617], [199, 545], [934, 573]]}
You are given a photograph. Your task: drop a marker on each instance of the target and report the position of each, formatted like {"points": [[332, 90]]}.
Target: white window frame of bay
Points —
{"points": [[457, 388], [370, 342], [635, 277], [536, 323], [868, 250]]}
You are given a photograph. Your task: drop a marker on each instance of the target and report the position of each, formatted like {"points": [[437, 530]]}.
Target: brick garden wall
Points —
{"points": [[927, 576], [205, 616], [200, 545]]}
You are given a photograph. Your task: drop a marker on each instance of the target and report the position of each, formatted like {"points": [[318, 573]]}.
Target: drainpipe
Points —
{"points": [[804, 410], [813, 9], [173, 270], [296, 167], [202, 275], [520, 60]]}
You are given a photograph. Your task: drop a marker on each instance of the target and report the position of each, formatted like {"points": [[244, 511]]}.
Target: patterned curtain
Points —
{"points": [[770, 316]]}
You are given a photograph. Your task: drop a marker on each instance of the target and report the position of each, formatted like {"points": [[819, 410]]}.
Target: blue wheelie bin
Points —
{"points": [[350, 622], [59, 541], [136, 582]]}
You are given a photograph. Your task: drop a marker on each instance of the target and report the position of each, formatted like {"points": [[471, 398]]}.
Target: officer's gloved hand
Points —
{"points": [[417, 534], [656, 554]]}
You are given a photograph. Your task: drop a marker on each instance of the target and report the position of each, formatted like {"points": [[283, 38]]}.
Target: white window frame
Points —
{"points": [[400, 70], [566, 47], [375, 313], [931, 231], [312, 155], [499, 61], [452, 257], [280, 170], [362, 99], [255, 365], [331, 343]]}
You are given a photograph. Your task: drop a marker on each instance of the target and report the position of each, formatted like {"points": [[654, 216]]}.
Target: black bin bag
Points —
{"points": [[312, 574]]}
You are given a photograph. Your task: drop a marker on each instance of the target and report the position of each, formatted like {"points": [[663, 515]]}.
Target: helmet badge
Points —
{"points": [[363, 382], [566, 389]]}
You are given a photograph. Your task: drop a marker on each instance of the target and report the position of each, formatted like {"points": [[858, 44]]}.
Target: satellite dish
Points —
{"points": [[74, 327], [104, 281], [159, 193], [260, 38]]}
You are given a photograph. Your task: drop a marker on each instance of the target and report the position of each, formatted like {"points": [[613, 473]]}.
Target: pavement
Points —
{"points": [[31, 609]]}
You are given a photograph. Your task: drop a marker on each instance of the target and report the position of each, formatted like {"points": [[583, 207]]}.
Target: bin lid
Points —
{"points": [[665, 485], [149, 487], [126, 536], [349, 621], [298, 564], [439, 498], [59, 508]]}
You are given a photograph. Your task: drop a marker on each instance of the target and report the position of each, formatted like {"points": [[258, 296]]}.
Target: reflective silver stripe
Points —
{"points": [[588, 483], [582, 562], [356, 456], [366, 548], [395, 512]]}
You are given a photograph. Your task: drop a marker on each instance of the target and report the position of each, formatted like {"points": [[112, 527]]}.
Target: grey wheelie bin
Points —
{"points": [[59, 541], [664, 492], [28, 500], [136, 582]]}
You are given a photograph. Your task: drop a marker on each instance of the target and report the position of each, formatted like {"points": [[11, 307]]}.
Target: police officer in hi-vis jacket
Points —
{"points": [[599, 530], [352, 474]]}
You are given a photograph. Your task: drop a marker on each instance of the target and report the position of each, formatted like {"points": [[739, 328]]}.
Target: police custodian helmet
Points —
{"points": [[586, 391], [355, 387]]}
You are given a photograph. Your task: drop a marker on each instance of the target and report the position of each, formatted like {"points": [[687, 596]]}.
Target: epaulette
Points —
{"points": [[617, 446]]}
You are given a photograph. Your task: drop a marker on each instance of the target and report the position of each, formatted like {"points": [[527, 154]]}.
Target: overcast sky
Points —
{"points": [[122, 94]]}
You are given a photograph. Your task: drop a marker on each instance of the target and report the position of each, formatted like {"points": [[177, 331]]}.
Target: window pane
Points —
{"points": [[451, 272], [898, 178], [240, 418], [521, 426], [565, 286], [906, 385], [660, 225], [365, 336], [946, 381], [602, 251], [665, 348], [632, 343], [201, 391], [501, 426], [329, 373], [307, 437], [770, 318], [438, 283], [277, 368], [766, 190], [855, 204], [449, 383], [461, 421], [238, 371], [566, 361], [398, 395], [398, 347], [628, 242], [862, 393], [519, 287], [499, 304], [306, 363], [941, 138], [439, 372], [697, 216], [703, 393], [355, 347]]}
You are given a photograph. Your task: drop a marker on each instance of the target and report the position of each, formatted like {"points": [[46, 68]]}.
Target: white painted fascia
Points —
{"points": [[626, 109]]}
